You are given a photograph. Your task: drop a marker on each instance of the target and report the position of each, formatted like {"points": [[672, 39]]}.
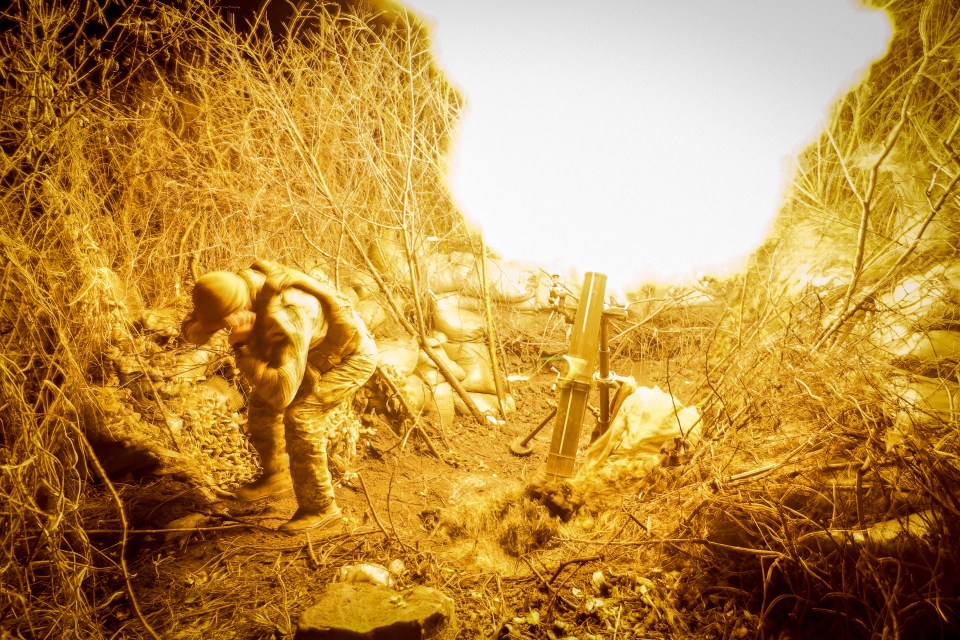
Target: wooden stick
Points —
{"points": [[491, 334], [408, 414], [405, 408], [373, 512]]}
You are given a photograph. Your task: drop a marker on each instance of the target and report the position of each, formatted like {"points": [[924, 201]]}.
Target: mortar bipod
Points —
{"points": [[521, 446], [606, 378]]}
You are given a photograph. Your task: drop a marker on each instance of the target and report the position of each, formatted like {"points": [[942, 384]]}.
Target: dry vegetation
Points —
{"points": [[142, 144]]}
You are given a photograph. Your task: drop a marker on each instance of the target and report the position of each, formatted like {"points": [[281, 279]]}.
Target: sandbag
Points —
{"points": [[352, 297], [449, 273], [430, 373], [316, 271], [928, 301], [474, 360], [459, 325], [461, 272], [509, 282], [400, 353], [442, 404], [363, 284], [119, 294], [469, 303], [924, 400], [928, 351], [487, 403], [529, 305], [430, 400], [372, 313], [415, 392], [390, 259], [889, 340]]}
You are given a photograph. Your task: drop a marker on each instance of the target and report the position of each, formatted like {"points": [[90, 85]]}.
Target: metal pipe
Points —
{"points": [[521, 447], [606, 379], [575, 384], [603, 422]]}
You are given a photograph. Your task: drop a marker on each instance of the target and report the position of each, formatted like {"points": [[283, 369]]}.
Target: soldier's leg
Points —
{"points": [[265, 424], [307, 430]]}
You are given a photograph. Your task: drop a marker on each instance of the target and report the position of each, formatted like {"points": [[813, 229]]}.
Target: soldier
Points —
{"points": [[304, 351]]}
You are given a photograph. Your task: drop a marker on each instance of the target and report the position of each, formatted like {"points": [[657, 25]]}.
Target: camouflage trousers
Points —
{"points": [[296, 438]]}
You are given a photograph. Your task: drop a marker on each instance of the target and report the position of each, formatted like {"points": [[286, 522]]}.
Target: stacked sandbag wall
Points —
{"points": [[456, 289], [456, 317]]}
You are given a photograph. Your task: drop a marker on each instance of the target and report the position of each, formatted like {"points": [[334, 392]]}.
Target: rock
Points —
{"points": [[347, 611], [193, 365], [224, 393], [180, 530], [365, 572]]}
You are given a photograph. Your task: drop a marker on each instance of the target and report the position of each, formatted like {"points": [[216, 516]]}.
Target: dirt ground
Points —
{"points": [[464, 524], [192, 578]]}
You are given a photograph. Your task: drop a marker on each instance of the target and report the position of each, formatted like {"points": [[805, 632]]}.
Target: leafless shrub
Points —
{"points": [[143, 142]]}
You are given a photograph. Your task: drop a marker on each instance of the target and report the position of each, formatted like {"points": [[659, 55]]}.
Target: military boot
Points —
{"points": [[268, 485], [306, 520]]}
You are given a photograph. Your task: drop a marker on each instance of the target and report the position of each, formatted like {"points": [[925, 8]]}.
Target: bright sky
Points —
{"points": [[644, 139]]}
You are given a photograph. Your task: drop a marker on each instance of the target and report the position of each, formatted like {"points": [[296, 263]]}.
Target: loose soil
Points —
{"points": [[465, 524]]}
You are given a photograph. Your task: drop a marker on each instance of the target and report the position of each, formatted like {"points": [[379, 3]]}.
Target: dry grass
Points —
{"points": [[168, 143], [798, 398], [158, 142]]}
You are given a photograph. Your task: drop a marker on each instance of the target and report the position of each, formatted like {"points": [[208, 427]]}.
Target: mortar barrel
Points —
{"points": [[585, 335], [576, 383], [571, 407]]}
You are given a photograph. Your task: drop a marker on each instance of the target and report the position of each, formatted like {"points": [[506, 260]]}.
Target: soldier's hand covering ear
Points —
{"points": [[240, 323]]}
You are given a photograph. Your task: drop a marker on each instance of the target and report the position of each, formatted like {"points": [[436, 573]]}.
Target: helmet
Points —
{"points": [[218, 294]]}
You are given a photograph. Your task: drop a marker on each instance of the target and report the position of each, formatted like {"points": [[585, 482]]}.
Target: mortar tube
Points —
{"points": [[576, 383]]}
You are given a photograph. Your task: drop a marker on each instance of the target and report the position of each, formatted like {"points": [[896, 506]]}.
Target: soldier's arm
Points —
{"points": [[292, 319]]}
